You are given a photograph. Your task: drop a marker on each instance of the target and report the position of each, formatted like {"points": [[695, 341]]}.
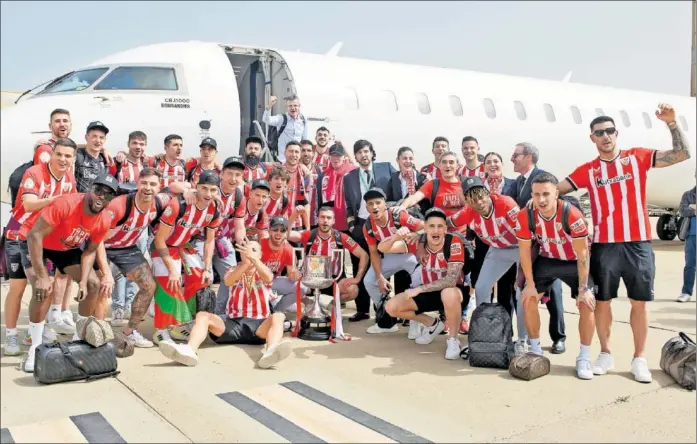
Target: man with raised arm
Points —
{"points": [[616, 183]]}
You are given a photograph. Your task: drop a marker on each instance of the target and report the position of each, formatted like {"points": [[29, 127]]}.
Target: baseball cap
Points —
{"points": [[97, 125], [209, 141], [337, 148], [278, 220], [209, 178], [435, 212], [373, 193], [471, 182], [261, 183], [234, 161], [108, 181]]}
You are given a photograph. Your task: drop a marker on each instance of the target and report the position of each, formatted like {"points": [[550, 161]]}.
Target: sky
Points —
{"points": [[635, 45]]}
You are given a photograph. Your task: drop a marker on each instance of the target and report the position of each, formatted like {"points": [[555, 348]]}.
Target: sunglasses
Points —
{"points": [[599, 133], [103, 191], [282, 230]]}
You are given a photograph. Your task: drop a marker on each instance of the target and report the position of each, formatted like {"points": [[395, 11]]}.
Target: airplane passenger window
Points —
{"points": [[455, 105], [520, 110], [549, 113], [576, 114], [683, 123], [625, 118], [350, 99], [76, 81], [388, 101], [424, 105], [140, 78], [489, 108], [647, 120], [599, 112]]}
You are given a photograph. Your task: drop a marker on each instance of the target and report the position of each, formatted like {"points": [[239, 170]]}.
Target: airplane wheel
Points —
{"points": [[665, 229]]}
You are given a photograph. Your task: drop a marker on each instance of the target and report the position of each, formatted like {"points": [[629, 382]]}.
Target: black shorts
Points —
{"points": [[125, 259], [240, 331], [633, 262], [546, 271], [13, 259], [431, 301], [60, 259]]}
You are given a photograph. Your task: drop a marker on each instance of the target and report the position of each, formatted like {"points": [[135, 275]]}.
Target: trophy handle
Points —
{"points": [[340, 253], [302, 258]]}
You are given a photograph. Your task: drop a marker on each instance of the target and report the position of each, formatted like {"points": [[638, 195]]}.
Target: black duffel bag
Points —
{"points": [[382, 318], [73, 361], [205, 300]]}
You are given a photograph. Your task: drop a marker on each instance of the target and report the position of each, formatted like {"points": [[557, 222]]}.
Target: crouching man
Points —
{"points": [[437, 283], [561, 234], [248, 319]]}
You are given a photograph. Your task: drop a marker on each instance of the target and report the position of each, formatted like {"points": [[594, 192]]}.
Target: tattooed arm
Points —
{"points": [[449, 281], [581, 248], [680, 151]]}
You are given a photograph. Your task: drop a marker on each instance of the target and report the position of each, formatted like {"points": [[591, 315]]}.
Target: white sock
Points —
{"points": [[11, 331], [79, 317], [535, 344], [585, 351], [36, 331]]}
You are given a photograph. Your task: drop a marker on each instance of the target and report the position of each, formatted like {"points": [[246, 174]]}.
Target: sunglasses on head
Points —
{"points": [[103, 191], [610, 131], [281, 229]]}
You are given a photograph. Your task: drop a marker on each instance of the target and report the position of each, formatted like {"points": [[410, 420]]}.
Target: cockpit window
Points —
{"points": [[76, 81], [140, 77]]}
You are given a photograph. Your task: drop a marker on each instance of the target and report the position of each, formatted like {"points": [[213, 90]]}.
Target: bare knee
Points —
{"points": [[639, 306], [392, 306], [278, 317], [451, 297], [202, 317], [92, 286]]}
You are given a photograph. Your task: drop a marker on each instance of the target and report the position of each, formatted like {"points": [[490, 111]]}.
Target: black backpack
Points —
{"points": [[275, 134], [490, 340], [130, 201], [16, 180], [413, 211], [313, 235], [567, 201]]}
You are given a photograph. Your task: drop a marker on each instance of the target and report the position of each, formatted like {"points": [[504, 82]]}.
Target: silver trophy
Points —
{"points": [[317, 274]]}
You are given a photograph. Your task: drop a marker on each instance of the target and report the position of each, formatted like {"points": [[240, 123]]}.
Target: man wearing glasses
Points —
{"points": [[60, 232], [616, 183]]}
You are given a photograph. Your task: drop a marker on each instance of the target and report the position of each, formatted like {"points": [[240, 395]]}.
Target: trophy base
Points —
{"points": [[315, 329]]}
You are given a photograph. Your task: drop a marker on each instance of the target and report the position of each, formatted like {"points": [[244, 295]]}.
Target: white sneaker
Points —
{"points": [[138, 340], [29, 363], [117, 317], [181, 353], [375, 329], [12, 346], [428, 334], [453, 349], [684, 298], [538, 352], [640, 370], [161, 336], [584, 368], [180, 332], [60, 326], [273, 355], [603, 364], [521, 347], [67, 317], [414, 329]]}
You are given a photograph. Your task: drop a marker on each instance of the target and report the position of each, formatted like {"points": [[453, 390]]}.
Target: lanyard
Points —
{"points": [[362, 177]]}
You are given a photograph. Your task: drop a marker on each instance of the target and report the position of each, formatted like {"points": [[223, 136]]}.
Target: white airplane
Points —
{"points": [[199, 89]]}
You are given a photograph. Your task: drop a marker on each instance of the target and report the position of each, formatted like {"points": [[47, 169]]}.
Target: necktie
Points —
{"points": [[521, 183], [369, 179]]}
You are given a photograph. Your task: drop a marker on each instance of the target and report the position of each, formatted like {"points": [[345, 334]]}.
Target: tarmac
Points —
{"points": [[374, 388]]}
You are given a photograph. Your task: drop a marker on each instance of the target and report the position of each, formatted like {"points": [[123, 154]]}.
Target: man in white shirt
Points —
{"points": [[291, 125]]}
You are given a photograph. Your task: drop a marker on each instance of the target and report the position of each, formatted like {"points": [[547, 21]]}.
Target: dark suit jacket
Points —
{"points": [[394, 186], [510, 188], [526, 193], [352, 187]]}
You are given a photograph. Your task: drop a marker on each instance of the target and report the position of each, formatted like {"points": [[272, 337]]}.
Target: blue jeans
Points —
{"points": [[125, 290], [688, 283]]}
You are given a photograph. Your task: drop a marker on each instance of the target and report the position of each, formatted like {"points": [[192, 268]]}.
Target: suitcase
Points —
{"points": [[679, 360], [73, 361], [529, 366]]}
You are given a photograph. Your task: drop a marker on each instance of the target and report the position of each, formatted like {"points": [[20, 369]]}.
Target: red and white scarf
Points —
{"points": [[410, 178]]}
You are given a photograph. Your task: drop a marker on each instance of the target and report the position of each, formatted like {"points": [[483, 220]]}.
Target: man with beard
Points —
{"points": [[133, 213], [368, 175], [295, 190], [254, 168], [291, 125], [41, 185], [330, 192], [321, 154], [306, 159], [473, 162], [437, 285], [381, 225], [247, 320], [60, 126], [492, 217], [407, 180], [171, 165], [89, 161], [128, 169], [58, 235], [440, 146], [207, 162], [178, 224]]}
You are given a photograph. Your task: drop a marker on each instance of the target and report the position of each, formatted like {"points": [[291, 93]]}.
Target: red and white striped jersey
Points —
{"points": [[296, 192], [617, 191], [194, 169], [274, 207], [43, 153], [39, 181], [321, 159], [324, 246], [193, 221], [497, 229], [127, 234], [259, 221], [170, 173], [554, 242], [230, 212], [249, 298], [390, 228], [478, 171], [276, 260], [129, 171], [434, 266], [432, 170], [261, 171], [311, 195]]}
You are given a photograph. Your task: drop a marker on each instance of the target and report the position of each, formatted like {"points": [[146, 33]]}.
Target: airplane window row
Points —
{"points": [[388, 102]]}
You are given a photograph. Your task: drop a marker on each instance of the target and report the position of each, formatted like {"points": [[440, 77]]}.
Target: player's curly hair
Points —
{"points": [[475, 194]]}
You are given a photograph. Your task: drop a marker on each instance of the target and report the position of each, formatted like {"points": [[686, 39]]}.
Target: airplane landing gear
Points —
{"points": [[667, 227]]}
